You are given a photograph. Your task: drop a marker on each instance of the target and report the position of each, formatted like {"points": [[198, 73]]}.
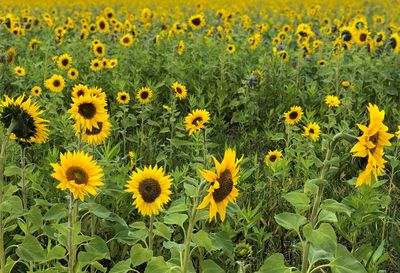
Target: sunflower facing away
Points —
{"points": [[144, 95], [78, 173], [123, 97], [222, 188], [272, 157], [294, 115], [29, 126], [312, 130], [150, 188], [88, 111], [371, 144], [180, 90], [196, 120], [55, 83], [332, 101]]}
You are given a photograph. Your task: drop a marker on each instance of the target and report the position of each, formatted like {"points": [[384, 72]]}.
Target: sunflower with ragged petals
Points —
{"points": [[144, 95], [273, 157], [64, 61], [36, 91], [332, 101], [25, 118], [123, 97], [312, 130], [150, 188], [95, 136], [196, 120], [197, 21], [79, 173], [222, 190], [180, 90], [55, 83], [73, 73], [19, 71], [88, 111], [294, 115]]}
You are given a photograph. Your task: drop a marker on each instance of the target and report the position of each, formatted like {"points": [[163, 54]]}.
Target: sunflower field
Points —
{"points": [[199, 136]]}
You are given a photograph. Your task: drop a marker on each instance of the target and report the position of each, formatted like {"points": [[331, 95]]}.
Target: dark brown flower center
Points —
{"points": [[87, 110], [363, 37], [77, 174], [65, 62], [293, 115], [95, 131], [56, 83], [80, 93], [272, 158], [225, 186], [196, 21], [311, 131], [197, 120], [102, 25], [144, 95], [346, 36], [99, 49], [126, 40], [179, 90], [149, 189], [123, 97]]}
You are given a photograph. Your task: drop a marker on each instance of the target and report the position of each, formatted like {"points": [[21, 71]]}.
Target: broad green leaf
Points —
{"points": [[209, 266], [202, 239], [335, 206], [98, 210], [140, 255], [122, 267], [56, 253], [99, 246], [323, 238], [299, 200], [158, 265], [290, 221], [221, 240], [344, 262], [12, 171], [31, 250], [162, 230], [327, 216], [12, 205], [175, 219], [276, 264], [56, 212], [9, 265]]}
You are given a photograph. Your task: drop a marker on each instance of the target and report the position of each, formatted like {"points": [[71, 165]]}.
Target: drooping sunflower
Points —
{"points": [[294, 115], [19, 71], [95, 136], [273, 157], [25, 116], [36, 91], [222, 190], [73, 74], [55, 83], [312, 130], [144, 95], [123, 97], [197, 21], [180, 90], [80, 90], [196, 120], [150, 188], [231, 48], [332, 101], [126, 40], [64, 61], [79, 173], [88, 111]]}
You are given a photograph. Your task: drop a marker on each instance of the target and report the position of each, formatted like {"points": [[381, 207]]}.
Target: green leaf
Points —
{"points": [[31, 250], [98, 210], [276, 264], [324, 239], [98, 245], [222, 241], [299, 200], [290, 221], [175, 219], [9, 265], [56, 212], [140, 255], [202, 239], [158, 265], [56, 253], [209, 266], [327, 216], [12, 205], [344, 262], [162, 230], [122, 267], [334, 206], [12, 171]]}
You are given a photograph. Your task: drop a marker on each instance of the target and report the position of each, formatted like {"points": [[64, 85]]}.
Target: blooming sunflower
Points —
{"points": [[29, 126], [144, 95], [64, 61], [79, 173], [272, 157], [55, 83], [126, 40], [79, 90], [180, 90], [332, 101], [102, 25], [73, 73], [181, 47], [123, 98], [88, 111], [96, 65], [222, 188], [322, 62], [36, 91], [197, 21], [10, 55], [346, 84], [150, 188], [398, 132], [99, 50], [95, 136], [196, 120], [19, 71], [294, 115], [312, 130], [231, 48]]}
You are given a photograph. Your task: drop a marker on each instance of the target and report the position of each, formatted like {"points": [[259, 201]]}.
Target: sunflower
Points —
{"points": [[73, 73], [272, 157], [398, 132], [283, 55], [312, 130], [79, 173], [181, 47], [99, 50], [102, 25], [55, 83], [294, 115], [144, 95], [19, 71], [371, 144], [33, 44], [167, 108], [346, 84], [180, 90], [347, 33], [222, 188], [88, 111], [36, 91], [332, 101], [123, 98], [80, 90], [29, 127], [98, 92], [196, 120], [64, 61], [380, 38], [150, 188], [394, 42], [322, 62], [96, 65], [197, 21], [362, 37], [231, 48], [95, 136], [10, 55], [126, 40]]}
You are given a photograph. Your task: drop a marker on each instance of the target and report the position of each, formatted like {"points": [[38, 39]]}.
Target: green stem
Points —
{"points": [[72, 213], [24, 189], [151, 235], [317, 201]]}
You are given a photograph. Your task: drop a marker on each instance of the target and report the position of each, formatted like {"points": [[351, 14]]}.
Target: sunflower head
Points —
{"points": [[197, 21], [36, 91], [231, 48], [96, 135], [180, 90], [55, 83], [73, 74], [196, 120], [294, 115], [64, 61], [126, 40], [332, 101], [19, 71], [144, 95], [123, 97], [150, 188], [88, 111], [312, 130], [273, 157]]}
